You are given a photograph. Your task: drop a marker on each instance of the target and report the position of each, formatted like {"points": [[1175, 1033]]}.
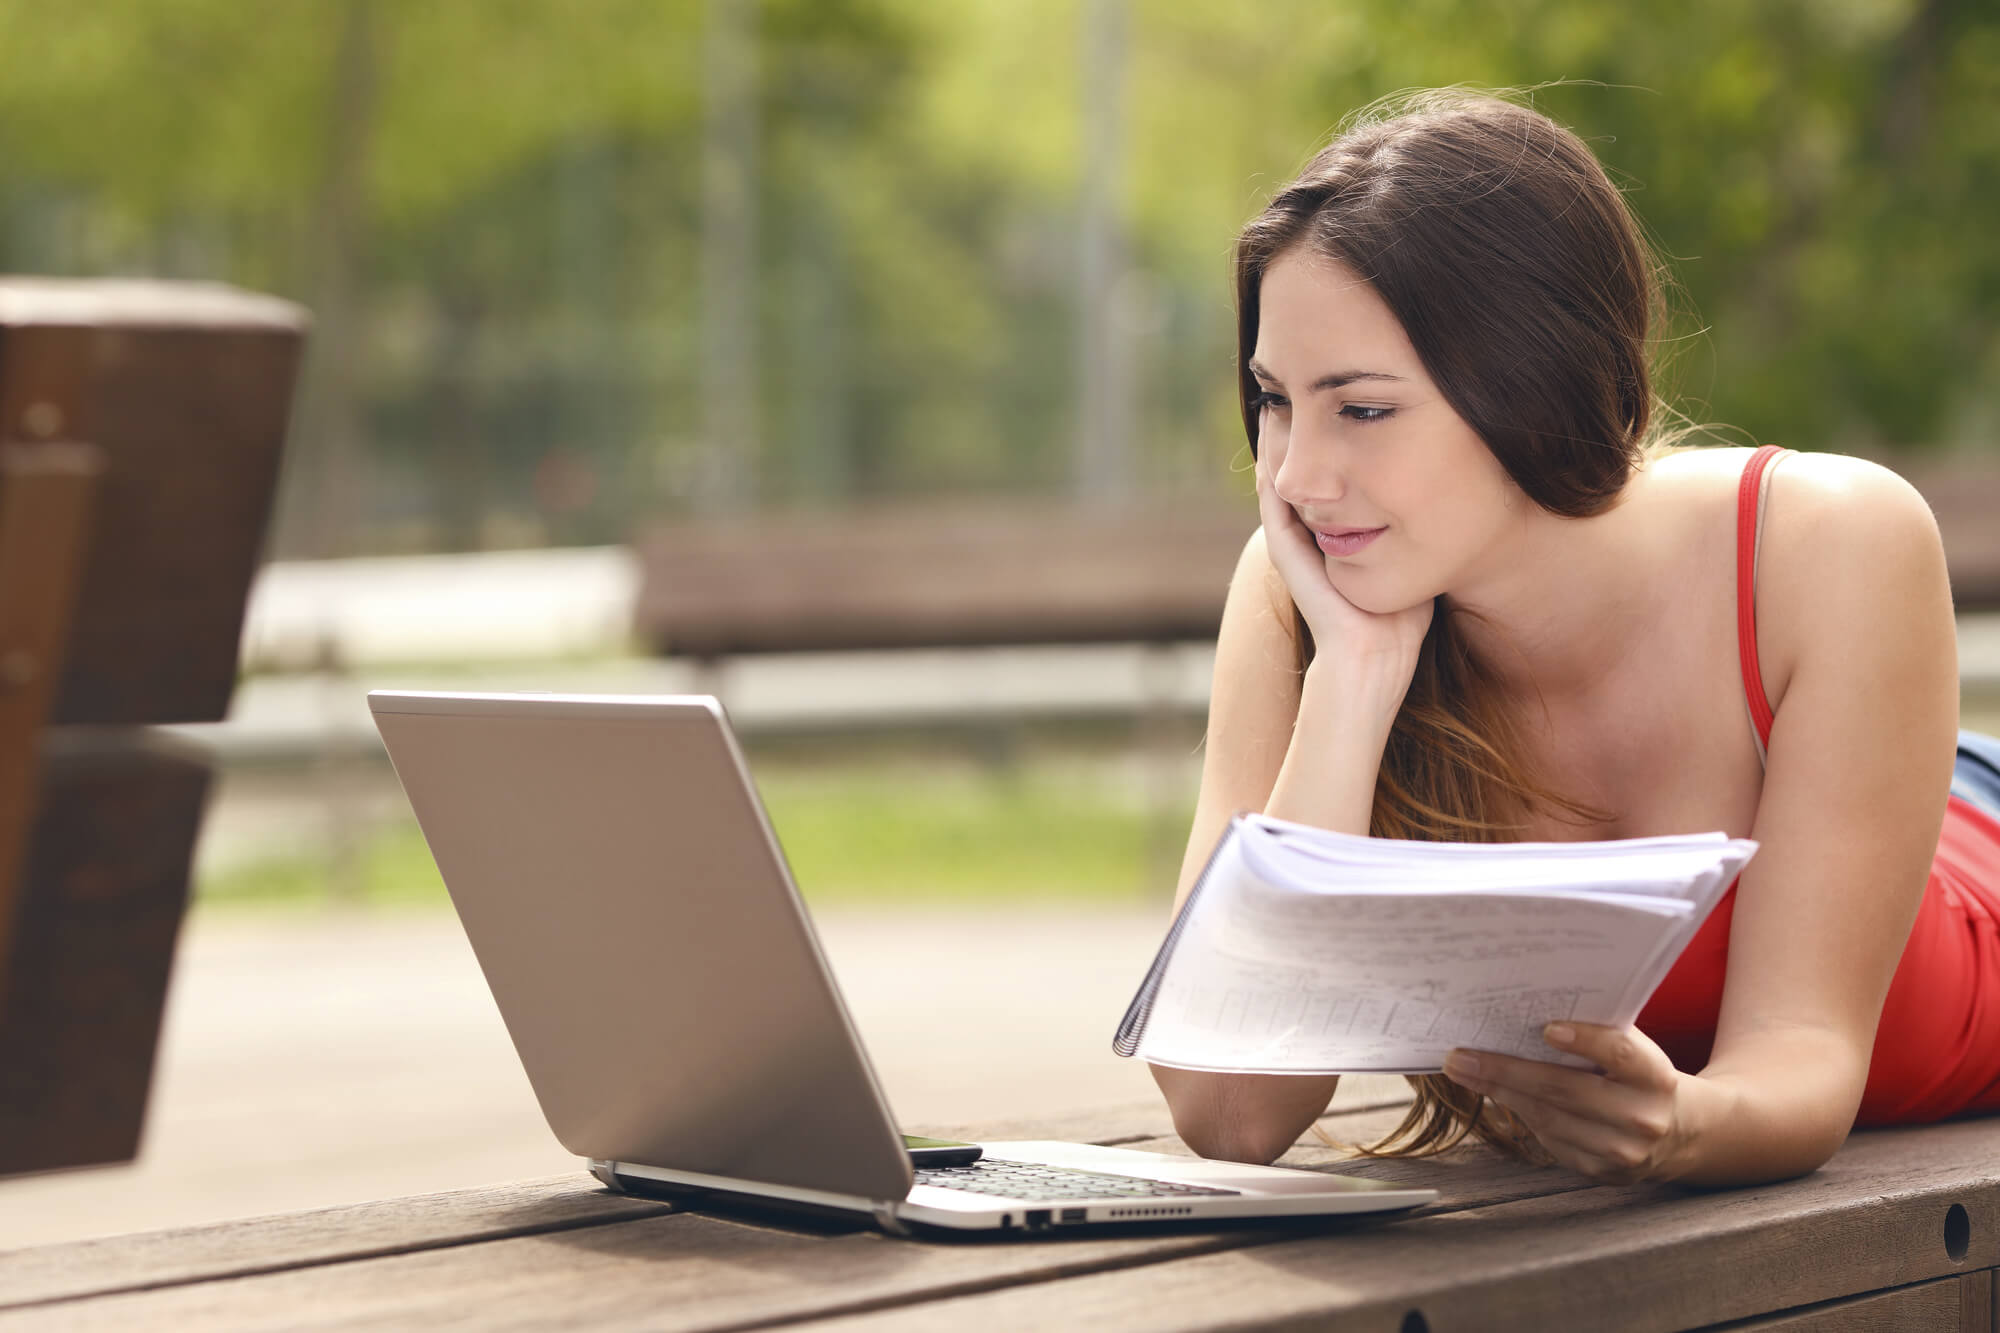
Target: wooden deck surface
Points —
{"points": [[1900, 1230]]}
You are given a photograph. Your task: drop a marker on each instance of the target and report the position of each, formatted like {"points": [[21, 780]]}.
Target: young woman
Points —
{"points": [[1487, 601]]}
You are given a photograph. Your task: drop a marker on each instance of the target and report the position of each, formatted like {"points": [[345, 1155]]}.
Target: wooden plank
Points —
{"points": [[1594, 1254], [939, 574], [46, 494], [49, 1274], [682, 1271], [192, 423], [104, 883], [1640, 1258], [1947, 1305], [686, 1271], [336, 1235], [186, 389]]}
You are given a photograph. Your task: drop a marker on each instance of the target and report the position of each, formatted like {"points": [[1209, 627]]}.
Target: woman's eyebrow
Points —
{"points": [[1338, 379]]}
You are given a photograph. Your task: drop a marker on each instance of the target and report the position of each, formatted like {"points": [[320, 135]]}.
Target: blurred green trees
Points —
{"points": [[505, 215]]}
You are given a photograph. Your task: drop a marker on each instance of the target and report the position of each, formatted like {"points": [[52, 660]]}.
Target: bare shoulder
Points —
{"points": [[1841, 531], [1839, 502], [1818, 505], [1849, 552], [1850, 565]]}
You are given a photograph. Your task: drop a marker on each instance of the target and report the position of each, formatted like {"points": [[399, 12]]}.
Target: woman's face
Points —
{"points": [[1360, 440]]}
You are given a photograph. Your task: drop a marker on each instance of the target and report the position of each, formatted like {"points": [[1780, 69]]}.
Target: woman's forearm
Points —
{"points": [[1328, 777], [1327, 780], [1772, 1114]]}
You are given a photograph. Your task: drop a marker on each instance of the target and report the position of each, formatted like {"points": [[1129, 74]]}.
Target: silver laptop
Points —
{"points": [[627, 901]]}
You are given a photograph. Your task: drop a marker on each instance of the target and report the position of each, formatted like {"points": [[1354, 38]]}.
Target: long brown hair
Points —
{"points": [[1529, 293]]}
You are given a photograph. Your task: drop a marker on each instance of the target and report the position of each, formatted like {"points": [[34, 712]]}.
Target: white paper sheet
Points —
{"points": [[1313, 953]]}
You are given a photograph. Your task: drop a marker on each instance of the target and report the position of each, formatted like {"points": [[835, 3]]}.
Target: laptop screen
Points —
{"points": [[623, 892]]}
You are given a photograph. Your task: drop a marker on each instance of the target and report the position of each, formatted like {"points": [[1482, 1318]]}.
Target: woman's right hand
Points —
{"points": [[1339, 628]]}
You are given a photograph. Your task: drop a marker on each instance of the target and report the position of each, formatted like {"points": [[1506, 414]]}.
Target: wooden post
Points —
{"points": [[124, 568], [46, 499]]}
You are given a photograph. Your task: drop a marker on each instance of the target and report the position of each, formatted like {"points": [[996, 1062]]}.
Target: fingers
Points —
{"points": [[1285, 536], [1580, 1092], [1612, 1125], [1600, 1151], [1635, 1095], [1625, 1054]]}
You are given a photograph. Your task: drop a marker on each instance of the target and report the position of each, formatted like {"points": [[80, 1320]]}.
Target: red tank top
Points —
{"points": [[1937, 1050]]}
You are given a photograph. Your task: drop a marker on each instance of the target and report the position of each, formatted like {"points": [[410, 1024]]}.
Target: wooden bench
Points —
{"points": [[1900, 1231], [1964, 492], [140, 428], [948, 574], [963, 574]]}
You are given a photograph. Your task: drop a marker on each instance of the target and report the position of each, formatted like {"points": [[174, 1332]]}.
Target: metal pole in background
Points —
{"points": [[1104, 473], [590, 353], [726, 477], [322, 483], [321, 505]]}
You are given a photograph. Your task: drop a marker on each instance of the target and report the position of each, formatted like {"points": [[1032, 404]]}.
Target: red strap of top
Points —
{"points": [[1747, 493]]}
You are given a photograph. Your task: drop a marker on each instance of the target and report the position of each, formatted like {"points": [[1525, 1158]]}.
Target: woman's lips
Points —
{"points": [[1345, 541]]}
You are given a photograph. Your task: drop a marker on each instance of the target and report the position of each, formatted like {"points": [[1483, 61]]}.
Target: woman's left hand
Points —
{"points": [[1620, 1127]]}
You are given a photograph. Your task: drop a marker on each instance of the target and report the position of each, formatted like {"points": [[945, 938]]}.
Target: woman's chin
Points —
{"points": [[1375, 596]]}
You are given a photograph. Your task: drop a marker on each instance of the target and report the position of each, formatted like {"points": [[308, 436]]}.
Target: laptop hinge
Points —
{"points": [[885, 1217]]}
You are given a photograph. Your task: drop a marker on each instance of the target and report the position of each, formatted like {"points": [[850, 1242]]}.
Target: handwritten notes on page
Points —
{"points": [[1303, 951]]}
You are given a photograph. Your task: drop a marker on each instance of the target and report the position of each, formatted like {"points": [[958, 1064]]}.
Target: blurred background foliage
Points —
{"points": [[575, 265]]}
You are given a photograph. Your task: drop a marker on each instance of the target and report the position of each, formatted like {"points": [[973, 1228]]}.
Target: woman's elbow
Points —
{"points": [[1259, 1145], [1215, 1118]]}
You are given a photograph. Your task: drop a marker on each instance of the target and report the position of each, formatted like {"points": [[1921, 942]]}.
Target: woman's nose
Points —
{"points": [[1308, 473]]}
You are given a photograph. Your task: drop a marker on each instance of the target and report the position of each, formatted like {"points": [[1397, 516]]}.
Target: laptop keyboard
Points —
{"points": [[1041, 1184]]}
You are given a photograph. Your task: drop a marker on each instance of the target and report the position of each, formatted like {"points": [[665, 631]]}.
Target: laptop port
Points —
{"points": [[1036, 1218], [1074, 1214]]}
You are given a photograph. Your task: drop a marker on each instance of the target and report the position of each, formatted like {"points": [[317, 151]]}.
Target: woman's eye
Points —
{"points": [[1356, 412], [1267, 399]]}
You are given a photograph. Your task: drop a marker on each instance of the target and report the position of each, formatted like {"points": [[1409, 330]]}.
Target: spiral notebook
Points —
{"points": [[1303, 951]]}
